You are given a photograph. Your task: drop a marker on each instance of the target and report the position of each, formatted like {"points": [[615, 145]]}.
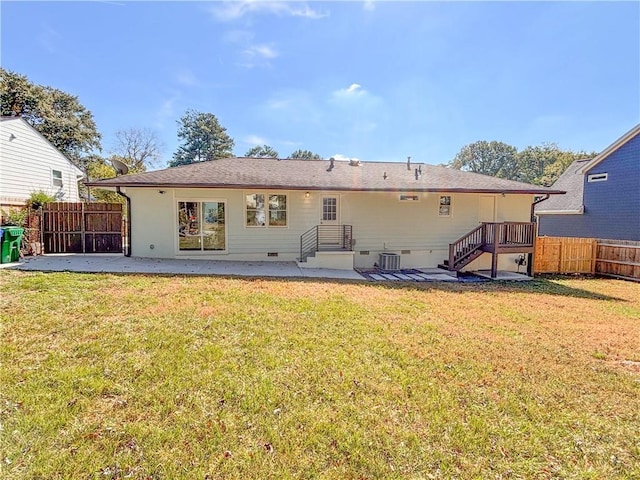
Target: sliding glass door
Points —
{"points": [[201, 226]]}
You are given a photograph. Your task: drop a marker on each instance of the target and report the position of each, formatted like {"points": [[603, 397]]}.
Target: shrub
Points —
{"points": [[15, 217], [37, 199]]}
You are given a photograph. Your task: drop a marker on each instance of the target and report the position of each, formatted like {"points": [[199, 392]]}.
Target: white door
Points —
{"points": [[330, 210], [329, 233], [487, 208]]}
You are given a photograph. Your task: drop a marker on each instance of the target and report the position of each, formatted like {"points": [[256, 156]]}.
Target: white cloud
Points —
{"points": [[343, 158], [257, 56], [49, 39], [166, 110], [254, 140], [187, 79], [262, 51], [369, 5], [352, 91], [233, 10]]}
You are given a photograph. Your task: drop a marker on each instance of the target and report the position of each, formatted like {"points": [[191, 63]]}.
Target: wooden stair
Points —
{"points": [[491, 237]]}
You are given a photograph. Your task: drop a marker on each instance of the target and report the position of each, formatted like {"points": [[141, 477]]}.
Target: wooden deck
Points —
{"points": [[492, 237]]}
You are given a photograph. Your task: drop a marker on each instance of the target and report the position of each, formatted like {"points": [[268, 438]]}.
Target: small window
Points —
{"points": [[56, 178], [409, 198], [444, 208], [598, 177]]}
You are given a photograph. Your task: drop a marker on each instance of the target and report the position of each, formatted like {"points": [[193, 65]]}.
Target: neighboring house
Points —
{"points": [[30, 163], [603, 195], [327, 213]]}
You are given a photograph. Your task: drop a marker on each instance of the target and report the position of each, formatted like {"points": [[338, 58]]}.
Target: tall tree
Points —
{"points": [[139, 148], [57, 115], [304, 155], [559, 165], [489, 158], [203, 139], [97, 167], [533, 160], [262, 151]]}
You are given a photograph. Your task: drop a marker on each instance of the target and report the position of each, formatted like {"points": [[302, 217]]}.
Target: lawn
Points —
{"points": [[114, 377]]}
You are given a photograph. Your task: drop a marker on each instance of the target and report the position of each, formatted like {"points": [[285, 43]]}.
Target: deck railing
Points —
{"points": [[325, 238], [496, 237]]}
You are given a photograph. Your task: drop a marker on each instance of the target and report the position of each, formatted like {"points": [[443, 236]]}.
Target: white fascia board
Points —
{"points": [[611, 148], [580, 211]]}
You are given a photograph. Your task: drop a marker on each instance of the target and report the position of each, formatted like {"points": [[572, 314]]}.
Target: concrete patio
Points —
{"points": [[118, 263]]}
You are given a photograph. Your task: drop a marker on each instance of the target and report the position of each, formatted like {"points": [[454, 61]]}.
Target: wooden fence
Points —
{"points": [[564, 255], [82, 227]]}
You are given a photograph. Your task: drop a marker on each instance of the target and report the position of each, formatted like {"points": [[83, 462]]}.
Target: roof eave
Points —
{"points": [[99, 184], [611, 148]]}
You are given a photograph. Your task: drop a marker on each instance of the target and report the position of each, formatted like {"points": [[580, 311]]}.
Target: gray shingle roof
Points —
{"points": [[572, 182], [317, 175]]}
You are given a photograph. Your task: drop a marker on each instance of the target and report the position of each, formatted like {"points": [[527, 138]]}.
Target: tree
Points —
{"points": [[559, 165], [532, 161], [138, 148], [264, 151], [97, 168], [489, 158], [305, 155], [57, 115], [203, 139]]}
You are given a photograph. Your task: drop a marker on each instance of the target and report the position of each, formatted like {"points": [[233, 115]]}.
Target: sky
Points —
{"points": [[373, 80]]}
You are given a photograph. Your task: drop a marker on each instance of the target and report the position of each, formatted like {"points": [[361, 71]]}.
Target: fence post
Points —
{"points": [[594, 256]]}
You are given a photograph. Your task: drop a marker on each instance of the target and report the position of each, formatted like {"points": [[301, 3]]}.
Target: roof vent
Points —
{"points": [[417, 174], [354, 162], [331, 164], [409, 163], [384, 175]]}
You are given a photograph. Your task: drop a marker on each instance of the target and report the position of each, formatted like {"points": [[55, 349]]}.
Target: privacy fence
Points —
{"points": [[617, 258], [82, 227]]}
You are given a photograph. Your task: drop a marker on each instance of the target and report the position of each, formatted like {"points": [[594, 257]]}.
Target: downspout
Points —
{"points": [[530, 257], [128, 250], [535, 202]]}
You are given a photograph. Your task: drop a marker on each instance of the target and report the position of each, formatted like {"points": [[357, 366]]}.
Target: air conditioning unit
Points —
{"points": [[389, 261]]}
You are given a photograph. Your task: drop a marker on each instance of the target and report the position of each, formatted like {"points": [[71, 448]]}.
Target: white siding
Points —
{"points": [[26, 164], [380, 223]]}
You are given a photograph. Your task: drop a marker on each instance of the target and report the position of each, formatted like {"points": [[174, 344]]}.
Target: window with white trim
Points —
{"points": [[56, 178], [266, 210], [201, 226], [444, 206], [597, 177]]}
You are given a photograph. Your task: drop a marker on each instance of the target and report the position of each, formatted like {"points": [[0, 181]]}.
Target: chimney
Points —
{"points": [[409, 163]]}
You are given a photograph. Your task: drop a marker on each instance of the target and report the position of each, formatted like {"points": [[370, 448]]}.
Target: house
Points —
{"points": [[329, 214], [30, 163], [603, 195]]}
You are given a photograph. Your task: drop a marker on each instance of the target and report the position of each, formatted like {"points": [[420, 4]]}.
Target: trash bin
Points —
{"points": [[10, 243]]}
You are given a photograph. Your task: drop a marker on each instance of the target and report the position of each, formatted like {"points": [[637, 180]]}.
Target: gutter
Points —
{"points": [[128, 250], [533, 206]]}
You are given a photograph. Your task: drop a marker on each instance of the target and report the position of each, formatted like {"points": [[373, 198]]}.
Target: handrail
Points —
{"points": [[466, 246], [325, 237], [490, 236]]}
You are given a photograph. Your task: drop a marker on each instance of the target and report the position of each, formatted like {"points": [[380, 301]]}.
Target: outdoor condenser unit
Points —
{"points": [[389, 261]]}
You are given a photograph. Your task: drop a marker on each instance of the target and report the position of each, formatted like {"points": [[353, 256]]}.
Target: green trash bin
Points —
{"points": [[11, 240]]}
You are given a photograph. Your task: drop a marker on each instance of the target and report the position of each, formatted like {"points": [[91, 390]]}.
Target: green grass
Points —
{"points": [[113, 377]]}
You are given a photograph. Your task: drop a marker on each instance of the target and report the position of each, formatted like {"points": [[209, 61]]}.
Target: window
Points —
{"points": [[266, 210], [329, 209], [598, 177], [444, 208], [201, 226], [409, 198], [56, 178]]}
